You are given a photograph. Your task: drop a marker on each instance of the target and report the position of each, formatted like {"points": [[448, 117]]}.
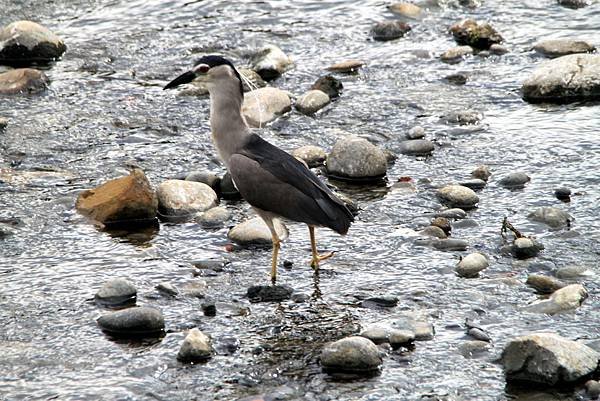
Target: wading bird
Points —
{"points": [[273, 182]]}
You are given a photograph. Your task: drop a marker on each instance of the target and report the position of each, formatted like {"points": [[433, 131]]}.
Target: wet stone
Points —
{"points": [[479, 334], [167, 289], [329, 85], [417, 147], [551, 216], [574, 4], [356, 159], [210, 179], [563, 299], [384, 301], [227, 190], [571, 272], [209, 308], [457, 79], [28, 41], [196, 346], [471, 265], [313, 156], [592, 388], [269, 293], [548, 359], [23, 80], [407, 10], [465, 223], [463, 117], [524, 248], [389, 30], [498, 50], [416, 132], [454, 213], [263, 105], [423, 329], [116, 292], [312, 101], [346, 66], [442, 223], [475, 184], [182, 198], [255, 79], [270, 62], [256, 232], [451, 244], [214, 217], [562, 47], [481, 172], [456, 54], [470, 33], [3, 122], [381, 334], [227, 345], [351, 354], [514, 180], [458, 196], [300, 298], [563, 194], [544, 284], [473, 348], [433, 231], [133, 322]]}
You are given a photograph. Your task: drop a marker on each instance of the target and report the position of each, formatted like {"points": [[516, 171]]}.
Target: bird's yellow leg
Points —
{"points": [[276, 246], [316, 258]]}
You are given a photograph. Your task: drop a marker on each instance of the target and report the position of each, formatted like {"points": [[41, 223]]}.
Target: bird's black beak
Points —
{"points": [[184, 78]]}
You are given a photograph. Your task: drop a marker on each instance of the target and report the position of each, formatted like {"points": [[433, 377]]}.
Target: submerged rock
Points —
{"points": [[382, 334], [563, 194], [455, 214], [116, 292], [167, 289], [133, 322], [548, 358], [313, 156], [458, 196], [417, 147], [514, 180], [457, 79], [346, 66], [462, 117], [120, 200], [312, 101], [256, 232], [270, 62], [525, 247], [329, 85], [214, 217], [407, 10], [356, 159], [269, 293], [563, 299], [571, 272], [544, 284], [451, 244], [456, 54], [263, 105], [416, 132], [389, 30], [562, 47], [471, 265], [475, 184], [574, 4], [182, 198], [564, 79], [552, 216], [479, 36], [482, 172], [196, 346], [210, 179], [23, 80], [433, 231], [351, 354], [27, 41], [442, 223]]}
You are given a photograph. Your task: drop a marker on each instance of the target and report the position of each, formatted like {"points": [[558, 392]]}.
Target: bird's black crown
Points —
{"points": [[214, 61]]}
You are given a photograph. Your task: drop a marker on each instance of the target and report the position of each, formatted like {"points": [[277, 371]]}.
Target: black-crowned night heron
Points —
{"points": [[274, 183]]}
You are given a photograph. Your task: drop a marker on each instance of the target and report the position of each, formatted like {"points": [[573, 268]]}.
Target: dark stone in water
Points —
{"points": [[116, 292], [210, 179], [386, 301], [330, 85], [451, 244], [133, 323], [227, 190], [457, 79], [288, 264], [209, 308], [389, 30], [227, 345], [563, 194], [269, 293], [574, 4], [210, 264]]}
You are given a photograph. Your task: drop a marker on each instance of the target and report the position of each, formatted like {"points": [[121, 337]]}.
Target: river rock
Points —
{"points": [[574, 4], [3, 122], [454, 213], [456, 54], [210, 179], [451, 244], [462, 117], [563, 194], [473, 348], [116, 292], [167, 289], [256, 232], [389, 30], [313, 156], [442, 223], [459, 78], [417, 147], [382, 334], [120, 200], [524, 248], [564, 79], [544, 284], [416, 132], [479, 36], [23, 80], [133, 322], [422, 328], [215, 217], [269, 293], [458, 196], [407, 10], [471, 265], [263, 105], [182, 198], [548, 358], [481, 172], [571, 272], [329, 85], [592, 388], [270, 62], [433, 231], [552, 216], [356, 159], [196, 346], [497, 49], [312, 101], [346, 66], [255, 80], [28, 41], [514, 180], [351, 354], [479, 334], [562, 47], [475, 184], [561, 300], [227, 189]]}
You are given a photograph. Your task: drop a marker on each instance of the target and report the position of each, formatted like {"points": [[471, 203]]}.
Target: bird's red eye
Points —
{"points": [[202, 68]]}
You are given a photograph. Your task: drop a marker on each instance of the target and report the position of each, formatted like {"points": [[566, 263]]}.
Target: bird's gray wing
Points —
{"points": [[273, 180]]}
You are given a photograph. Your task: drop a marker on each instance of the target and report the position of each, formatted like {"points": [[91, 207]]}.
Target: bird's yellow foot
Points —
{"points": [[314, 263]]}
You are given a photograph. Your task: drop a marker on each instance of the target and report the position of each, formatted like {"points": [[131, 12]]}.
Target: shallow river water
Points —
{"points": [[105, 110]]}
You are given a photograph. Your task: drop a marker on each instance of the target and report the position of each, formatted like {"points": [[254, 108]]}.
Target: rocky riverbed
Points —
{"points": [[463, 134]]}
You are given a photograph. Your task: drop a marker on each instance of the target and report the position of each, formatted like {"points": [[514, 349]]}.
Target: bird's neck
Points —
{"points": [[228, 126]]}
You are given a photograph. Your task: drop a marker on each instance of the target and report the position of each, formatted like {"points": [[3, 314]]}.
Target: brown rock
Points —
{"points": [[408, 10], [346, 66], [119, 200], [478, 36], [28, 41], [23, 80]]}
